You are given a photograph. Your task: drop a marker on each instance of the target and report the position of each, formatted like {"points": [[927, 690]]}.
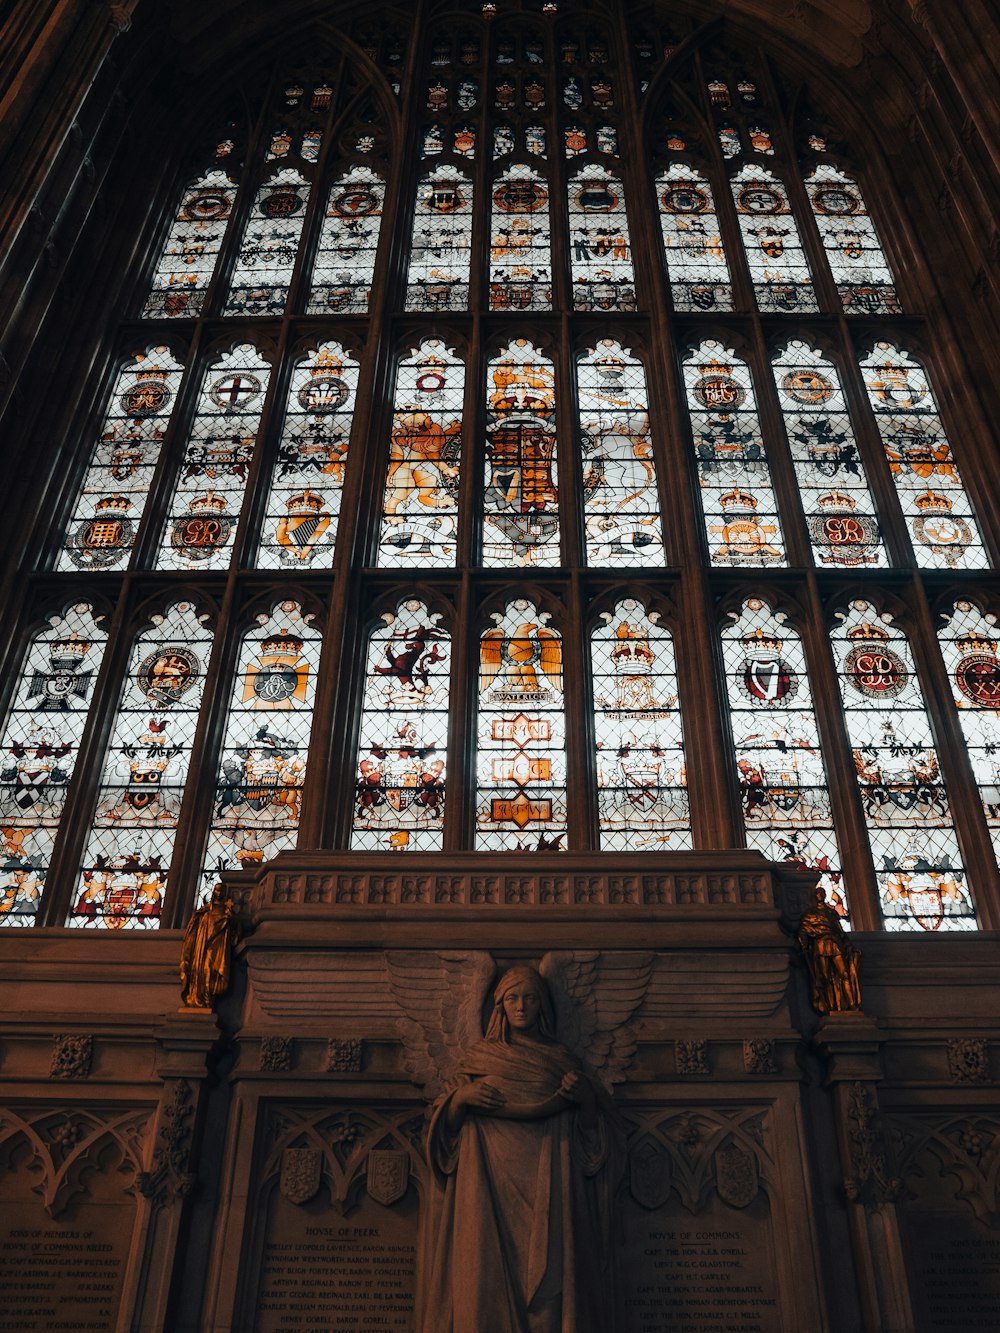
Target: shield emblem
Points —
{"points": [[301, 1173], [736, 1176], [388, 1175], [649, 1174]]}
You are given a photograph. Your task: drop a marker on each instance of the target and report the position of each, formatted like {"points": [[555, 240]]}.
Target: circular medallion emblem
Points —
{"points": [[685, 199], [100, 542], [978, 677], [355, 202], [520, 197], [719, 393], [595, 197], [759, 199], [323, 393], [234, 392], [276, 684], [848, 539], [941, 530], [833, 199], [876, 671], [281, 204], [430, 381], [145, 398], [206, 205], [808, 387], [168, 673], [770, 681]]}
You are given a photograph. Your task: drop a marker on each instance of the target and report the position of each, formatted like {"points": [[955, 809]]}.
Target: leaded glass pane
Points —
{"points": [[402, 752], [641, 770], [267, 256], [520, 264], [41, 739], [125, 863], [348, 242], [692, 241], [741, 515], [621, 505], [779, 762], [603, 275], [108, 510], [521, 503], [840, 511], [438, 277], [918, 864], [853, 248], [303, 506], [934, 502], [187, 263], [969, 646], [420, 511], [262, 768], [521, 803], [778, 265], [206, 503]]}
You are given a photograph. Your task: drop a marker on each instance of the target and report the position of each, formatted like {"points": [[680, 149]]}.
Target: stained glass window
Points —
{"points": [[187, 263], [692, 241], [420, 513], [741, 516], [110, 505], [270, 245], [833, 487], [206, 503], [41, 739], [303, 506], [622, 512], [778, 265], [348, 241], [125, 864], [934, 502], [521, 803], [779, 763], [852, 245], [402, 753], [969, 646], [641, 770], [262, 769], [603, 275], [918, 865], [438, 277], [521, 503], [520, 264]]}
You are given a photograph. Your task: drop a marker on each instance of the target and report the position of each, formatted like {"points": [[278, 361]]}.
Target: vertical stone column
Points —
{"points": [[850, 1045]]}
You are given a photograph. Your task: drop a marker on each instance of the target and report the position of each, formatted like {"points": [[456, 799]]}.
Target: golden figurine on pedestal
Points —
{"points": [[207, 952], [833, 961]]}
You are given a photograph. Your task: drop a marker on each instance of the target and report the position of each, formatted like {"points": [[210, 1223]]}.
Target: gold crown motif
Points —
{"points": [[976, 643], [715, 367], [759, 642], [932, 501], [866, 630], [282, 643], [71, 646], [308, 502], [739, 500], [115, 504], [836, 500], [326, 361], [209, 503]]}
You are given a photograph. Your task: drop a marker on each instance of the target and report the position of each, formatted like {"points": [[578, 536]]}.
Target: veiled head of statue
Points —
{"points": [[518, 980]]}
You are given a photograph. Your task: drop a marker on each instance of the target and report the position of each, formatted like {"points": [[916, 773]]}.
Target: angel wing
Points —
{"points": [[490, 658], [596, 996], [550, 658], [440, 997]]}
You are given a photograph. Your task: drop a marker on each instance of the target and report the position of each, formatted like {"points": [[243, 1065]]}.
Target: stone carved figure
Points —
{"points": [[523, 1147], [833, 961], [207, 952]]}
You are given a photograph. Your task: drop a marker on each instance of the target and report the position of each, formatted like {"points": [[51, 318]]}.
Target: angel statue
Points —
{"points": [[523, 1145]]}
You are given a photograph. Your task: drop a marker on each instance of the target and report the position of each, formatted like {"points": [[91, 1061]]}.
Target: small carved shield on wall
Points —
{"points": [[649, 1174], [388, 1174], [301, 1172], [736, 1175]]}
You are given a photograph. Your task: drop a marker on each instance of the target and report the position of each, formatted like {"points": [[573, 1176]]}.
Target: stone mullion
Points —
{"points": [[838, 757], [965, 800], [75, 821], [558, 178]]}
